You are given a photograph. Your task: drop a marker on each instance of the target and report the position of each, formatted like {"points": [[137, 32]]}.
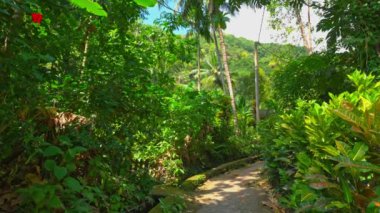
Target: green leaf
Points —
{"points": [[331, 150], [76, 150], [377, 191], [307, 196], [342, 147], [346, 190], [38, 194], [73, 184], [63, 139], [366, 104], [60, 172], [55, 202], [71, 167], [52, 151], [362, 165], [303, 158], [337, 204], [90, 6], [49, 165], [358, 152], [322, 185], [146, 3], [88, 195]]}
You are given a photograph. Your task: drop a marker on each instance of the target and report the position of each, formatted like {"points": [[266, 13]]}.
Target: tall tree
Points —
{"points": [[203, 14], [228, 78], [305, 35], [199, 63], [220, 22], [220, 65], [286, 11]]}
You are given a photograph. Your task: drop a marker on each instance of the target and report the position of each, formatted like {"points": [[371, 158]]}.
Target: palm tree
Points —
{"points": [[195, 13], [205, 15], [209, 75], [228, 78], [199, 62], [220, 66]]}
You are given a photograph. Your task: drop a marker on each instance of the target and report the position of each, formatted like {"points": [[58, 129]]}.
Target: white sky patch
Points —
{"points": [[246, 24]]}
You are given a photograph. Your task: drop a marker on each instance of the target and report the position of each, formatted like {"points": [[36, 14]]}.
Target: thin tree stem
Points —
{"points": [[228, 78], [199, 64], [220, 65]]}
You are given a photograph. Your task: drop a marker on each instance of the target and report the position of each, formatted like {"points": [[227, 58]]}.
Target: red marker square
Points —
{"points": [[37, 18]]}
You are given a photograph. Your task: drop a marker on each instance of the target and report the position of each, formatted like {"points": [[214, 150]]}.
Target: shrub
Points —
{"points": [[323, 157]]}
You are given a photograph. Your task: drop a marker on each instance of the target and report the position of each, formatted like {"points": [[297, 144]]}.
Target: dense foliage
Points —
{"points": [[97, 107], [91, 116], [309, 78], [321, 146], [324, 157], [240, 53]]}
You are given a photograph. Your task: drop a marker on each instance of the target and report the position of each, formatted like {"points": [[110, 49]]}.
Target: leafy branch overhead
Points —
{"points": [[146, 3], [96, 9], [90, 6]]}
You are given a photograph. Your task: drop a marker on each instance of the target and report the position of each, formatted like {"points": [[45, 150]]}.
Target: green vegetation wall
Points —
{"points": [[323, 157], [90, 114]]}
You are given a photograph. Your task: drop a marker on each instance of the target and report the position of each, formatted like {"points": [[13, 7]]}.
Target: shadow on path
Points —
{"points": [[239, 191]]}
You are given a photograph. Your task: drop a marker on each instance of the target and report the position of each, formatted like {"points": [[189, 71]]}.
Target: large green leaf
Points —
{"points": [[346, 190], [361, 165], [73, 184], [52, 151], [337, 204], [90, 6], [304, 159], [342, 147], [49, 165], [146, 3], [60, 172], [331, 150], [358, 152], [322, 185], [76, 150], [55, 202]]}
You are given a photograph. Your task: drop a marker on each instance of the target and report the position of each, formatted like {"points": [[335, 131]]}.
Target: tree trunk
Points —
{"points": [[199, 64], [220, 65], [310, 39], [228, 78], [257, 88], [302, 30], [90, 28], [85, 50], [5, 46], [377, 47]]}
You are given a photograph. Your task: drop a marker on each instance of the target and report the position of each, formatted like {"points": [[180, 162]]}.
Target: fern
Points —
{"points": [[90, 6]]}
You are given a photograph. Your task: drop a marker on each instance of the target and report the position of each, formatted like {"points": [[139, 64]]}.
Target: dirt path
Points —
{"points": [[238, 191]]}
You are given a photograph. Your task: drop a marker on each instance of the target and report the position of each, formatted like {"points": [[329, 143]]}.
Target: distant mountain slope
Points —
{"points": [[240, 54]]}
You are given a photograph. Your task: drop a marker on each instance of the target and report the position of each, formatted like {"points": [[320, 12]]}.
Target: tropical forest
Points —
{"points": [[101, 111]]}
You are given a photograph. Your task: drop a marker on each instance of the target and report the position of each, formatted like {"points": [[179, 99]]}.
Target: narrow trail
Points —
{"points": [[238, 191]]}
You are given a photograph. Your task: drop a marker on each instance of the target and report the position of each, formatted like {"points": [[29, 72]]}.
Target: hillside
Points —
{"points": [[272, 56]]}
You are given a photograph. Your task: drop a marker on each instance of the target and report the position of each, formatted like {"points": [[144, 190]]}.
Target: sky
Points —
{"points": [[246, 24]]}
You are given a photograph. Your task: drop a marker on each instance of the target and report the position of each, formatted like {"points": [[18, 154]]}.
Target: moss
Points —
{"points": [[165, 190], [156, 209], [193, 182], [175, 204]]}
